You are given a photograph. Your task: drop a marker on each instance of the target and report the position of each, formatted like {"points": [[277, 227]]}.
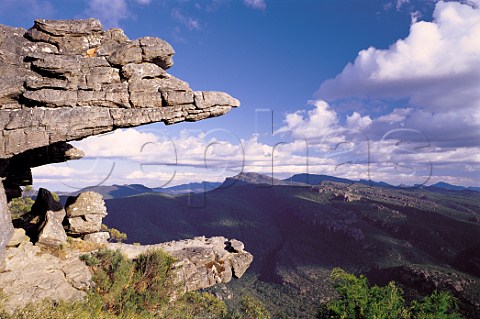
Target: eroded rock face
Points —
{"points": [[51, 212], [85, 213], [6, 227], [31, 275], [202, 262], [67, 80]]}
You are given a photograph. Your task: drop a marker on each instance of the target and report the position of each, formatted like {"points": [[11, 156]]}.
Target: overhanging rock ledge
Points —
{"points": [[65, 80]]}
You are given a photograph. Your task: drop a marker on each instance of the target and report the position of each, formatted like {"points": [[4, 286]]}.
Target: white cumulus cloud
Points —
{"points": [[256, 4], [109, 12], [437, 66]]}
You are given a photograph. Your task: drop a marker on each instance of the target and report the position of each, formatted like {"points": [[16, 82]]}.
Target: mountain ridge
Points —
{"points": [[301, 179]]}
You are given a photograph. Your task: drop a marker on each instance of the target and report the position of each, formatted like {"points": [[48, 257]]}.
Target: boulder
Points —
{"points": [[99, 238], [85, 213], [52, 214], [85, 224], [19, 237], [86, 203], [52, 232]]}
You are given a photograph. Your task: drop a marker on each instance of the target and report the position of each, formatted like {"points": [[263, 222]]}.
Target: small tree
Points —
{"points": [[22, 205], [251, 308], [115, 234], [360, 301]]}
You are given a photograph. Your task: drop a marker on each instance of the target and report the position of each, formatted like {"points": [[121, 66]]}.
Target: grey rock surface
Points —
{"points": [[85, 213], [70, 79], [86, 203], [31, 275], [99, 238], [6, 227], [50, 230], [201, 262], [85, 224], [65, 80]]}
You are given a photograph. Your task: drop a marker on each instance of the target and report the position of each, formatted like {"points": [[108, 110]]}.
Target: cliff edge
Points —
{"points": [[65, 80]]}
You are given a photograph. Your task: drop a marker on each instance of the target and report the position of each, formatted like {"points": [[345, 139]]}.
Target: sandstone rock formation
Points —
{"points": [[31, 275], [66, 80], [85, 213], [6, 227], [19, 237], [51, 213], [101, 237], [201, 262]]}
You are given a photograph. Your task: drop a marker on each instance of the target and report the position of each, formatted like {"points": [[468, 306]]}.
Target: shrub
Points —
{"points": [[20, 206], [137, 289], [357, 300], [251, 308], [115, 234]]}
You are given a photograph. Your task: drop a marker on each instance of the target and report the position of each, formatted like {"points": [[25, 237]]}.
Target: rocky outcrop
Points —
{"points": [[85, 213], [6, 227], [19, 237], [99, 237], [31, 275], [67, 80], [201, 262], [51, 215]]}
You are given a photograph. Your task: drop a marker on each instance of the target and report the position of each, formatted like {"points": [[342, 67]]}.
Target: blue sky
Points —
{"points": [[377, 89]]}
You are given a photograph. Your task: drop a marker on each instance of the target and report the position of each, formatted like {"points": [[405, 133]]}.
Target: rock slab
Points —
{"points": [[201, 262], [65, 80], [6, 227], [31, 275]]}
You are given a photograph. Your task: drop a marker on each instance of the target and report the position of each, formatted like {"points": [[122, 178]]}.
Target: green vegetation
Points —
{"points": [[251, 308], [298, 234], [22, 205], [142, 288], [358, 300], [115, 234]]}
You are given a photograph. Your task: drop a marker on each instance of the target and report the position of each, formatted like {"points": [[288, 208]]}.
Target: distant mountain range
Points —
{"points": [[300, 228], [455, 187], [188, 188], [117, 191], [113, 191]]}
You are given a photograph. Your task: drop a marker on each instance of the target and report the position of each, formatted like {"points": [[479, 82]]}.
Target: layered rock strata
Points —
{"points": [[85, 213], [67, 80]]}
